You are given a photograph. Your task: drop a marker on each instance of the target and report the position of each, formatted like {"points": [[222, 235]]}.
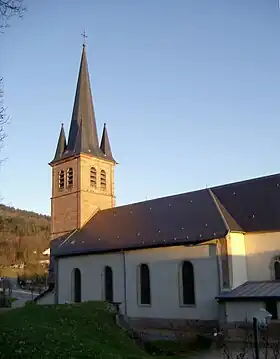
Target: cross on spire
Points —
{"points": [[84, 36]]}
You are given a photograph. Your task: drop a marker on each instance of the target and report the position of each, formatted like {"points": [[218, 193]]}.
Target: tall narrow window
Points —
{"points": [[109, 291], [188, 292], [224, 257], [145, 285], [93, 177], [277, 269], [70, 177], [77, 285], [103, 179], [61, 179]]}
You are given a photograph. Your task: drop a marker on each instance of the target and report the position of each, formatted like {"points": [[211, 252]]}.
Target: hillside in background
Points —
{"points": [[24, 235]]}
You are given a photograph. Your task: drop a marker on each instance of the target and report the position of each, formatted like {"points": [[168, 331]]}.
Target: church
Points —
{"points": [[207, 256]]}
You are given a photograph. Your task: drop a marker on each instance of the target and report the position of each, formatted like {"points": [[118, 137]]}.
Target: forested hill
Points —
{"points": [[24, 235]]}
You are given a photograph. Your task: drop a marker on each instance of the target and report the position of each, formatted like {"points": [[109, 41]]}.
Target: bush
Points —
{"points": [[5, 302]]}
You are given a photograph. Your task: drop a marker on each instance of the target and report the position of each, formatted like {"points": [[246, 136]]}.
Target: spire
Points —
{"points": [[83, 122], [105, 145], [81, 141], [61, 145]]}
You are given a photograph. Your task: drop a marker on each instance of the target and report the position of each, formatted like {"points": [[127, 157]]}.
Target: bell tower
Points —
{"points": [[82, 169]]}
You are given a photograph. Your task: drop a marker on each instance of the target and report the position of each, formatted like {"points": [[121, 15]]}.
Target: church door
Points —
{"points": [[109, 291]]}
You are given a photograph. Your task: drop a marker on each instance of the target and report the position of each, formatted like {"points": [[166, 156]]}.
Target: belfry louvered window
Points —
{"points": [[103, 179], [93, 177], [61, 180], [70, 177]]}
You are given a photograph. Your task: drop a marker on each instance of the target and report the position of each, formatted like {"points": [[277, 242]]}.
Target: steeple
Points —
{"points": [[61, 145], [82, 171], [83, 118], [105, 145]]}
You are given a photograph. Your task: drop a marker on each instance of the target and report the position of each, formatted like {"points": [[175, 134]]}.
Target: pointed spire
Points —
{"points": [[81, 141], [83, 117], [61, 145], [105, 144]]}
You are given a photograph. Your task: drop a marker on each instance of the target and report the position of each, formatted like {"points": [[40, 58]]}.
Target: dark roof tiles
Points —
{"points": [[185, 219], [188, 218], [83, 136], [254, 204], [253, 290], [105, 145], [61, 145]]}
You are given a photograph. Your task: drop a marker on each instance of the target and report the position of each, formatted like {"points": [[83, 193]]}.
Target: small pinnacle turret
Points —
{"points": [[105, 145], [61, 145]]}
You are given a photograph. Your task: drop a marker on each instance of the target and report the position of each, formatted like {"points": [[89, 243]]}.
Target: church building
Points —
{"points": [[211, 255]]}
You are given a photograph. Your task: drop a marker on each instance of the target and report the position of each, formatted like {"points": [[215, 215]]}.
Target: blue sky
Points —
{"points": [[189, 89]]}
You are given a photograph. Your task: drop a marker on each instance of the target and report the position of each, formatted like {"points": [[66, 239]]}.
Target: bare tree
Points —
{"points": [[8, 9], [3, 117]]}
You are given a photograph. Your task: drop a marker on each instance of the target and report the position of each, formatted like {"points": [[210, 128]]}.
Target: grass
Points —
{"points": [[85, 330]]}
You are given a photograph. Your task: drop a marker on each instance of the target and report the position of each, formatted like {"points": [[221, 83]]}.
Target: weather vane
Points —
{"points": [[84, 36]]}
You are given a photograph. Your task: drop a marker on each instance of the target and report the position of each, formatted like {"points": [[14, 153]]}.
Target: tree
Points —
{"points": [[8, 9], [3, 118]]}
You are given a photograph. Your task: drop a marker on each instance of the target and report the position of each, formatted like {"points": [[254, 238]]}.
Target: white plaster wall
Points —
{"points": [[239, 311], [48, 298], [164, 266], [261, 248], [92, 276], [237, 253]]}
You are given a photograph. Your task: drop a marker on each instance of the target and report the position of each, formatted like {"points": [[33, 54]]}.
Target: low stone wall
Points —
{"points": [[174, 324], [171, 328]]}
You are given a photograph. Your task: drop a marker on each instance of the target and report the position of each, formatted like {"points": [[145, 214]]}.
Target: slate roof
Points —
{"points": [[253, 290], [61, 145], [254, 204], [105, 144], [83, 137], [188, 218]]}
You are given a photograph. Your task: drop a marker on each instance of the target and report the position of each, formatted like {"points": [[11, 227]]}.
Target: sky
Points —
{"points": [[189, 90]]}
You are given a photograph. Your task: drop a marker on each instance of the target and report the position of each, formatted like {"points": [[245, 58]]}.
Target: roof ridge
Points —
{"points": [[222, 210], [246, 181], [215, 200]]}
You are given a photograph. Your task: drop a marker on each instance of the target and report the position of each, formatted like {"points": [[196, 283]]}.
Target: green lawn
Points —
{"points": [[84, 330]]}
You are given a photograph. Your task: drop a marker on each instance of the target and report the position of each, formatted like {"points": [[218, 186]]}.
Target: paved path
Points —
{"points": [[24, 294], [22, 297]]}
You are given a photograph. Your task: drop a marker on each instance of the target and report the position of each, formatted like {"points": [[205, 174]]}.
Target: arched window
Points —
{"points": [[93, 177], [70, 177], [103, 179], [188, 292], [61, 179], [109, 284], [76, 285], [145, 285], [276, 268]]}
